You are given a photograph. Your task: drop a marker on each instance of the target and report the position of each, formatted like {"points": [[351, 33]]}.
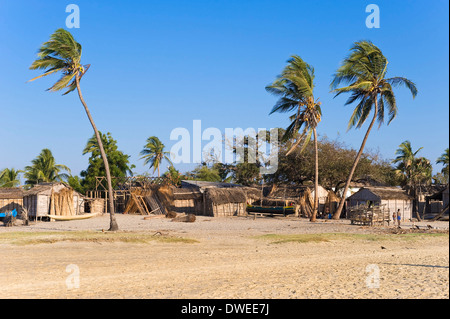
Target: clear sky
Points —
{"points": [[159, 65]]}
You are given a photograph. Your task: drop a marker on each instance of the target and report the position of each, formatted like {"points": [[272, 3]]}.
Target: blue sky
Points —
{"points": [[159, 65]]}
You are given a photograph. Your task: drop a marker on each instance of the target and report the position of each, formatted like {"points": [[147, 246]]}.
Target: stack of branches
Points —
{"points": [[306, 203], [61, 203], [145, 202]]}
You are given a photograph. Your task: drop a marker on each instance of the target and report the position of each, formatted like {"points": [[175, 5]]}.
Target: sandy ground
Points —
{"points": [[228, 260]]}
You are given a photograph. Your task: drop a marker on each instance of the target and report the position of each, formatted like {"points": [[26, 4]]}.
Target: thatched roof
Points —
{"points": [[221, 196], [386, 193], [11, 193], [47, 189]]}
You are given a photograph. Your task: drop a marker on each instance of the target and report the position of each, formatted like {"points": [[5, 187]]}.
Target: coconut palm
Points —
{"points": [[43, 169], [295, 87], [9, 177], [364, 73], [406, 160], [62, 54], [153, 153], [444, 160]]}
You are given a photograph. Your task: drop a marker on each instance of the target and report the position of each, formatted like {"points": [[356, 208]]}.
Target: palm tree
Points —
{"points": [[364, 71], [405, 160], [63, 54], [9, 177], [444, 160], [295, 86], [45, 170], [414, 170], [154, 153]]}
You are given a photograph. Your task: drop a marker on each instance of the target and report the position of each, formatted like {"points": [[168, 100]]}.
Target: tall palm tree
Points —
{"points": [[153, 153], [9, 177], [45, 170], [63, 54], [295, 87], [444, 160], [364, 72]]}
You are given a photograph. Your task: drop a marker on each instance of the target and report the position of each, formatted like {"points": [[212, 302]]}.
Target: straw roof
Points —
{"points": [[385, 193], [221, 196], [47, 189], [11, 193]]}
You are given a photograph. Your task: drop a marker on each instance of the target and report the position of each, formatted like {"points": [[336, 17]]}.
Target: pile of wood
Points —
{"points": [[61, 203], [144, 202], [306, 204]]}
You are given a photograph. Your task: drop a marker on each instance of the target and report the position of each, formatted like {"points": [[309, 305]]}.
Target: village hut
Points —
{"points": [[211, 198], [437, 205], [53, 199], [388, 199], [302, 197], [10, 199]]}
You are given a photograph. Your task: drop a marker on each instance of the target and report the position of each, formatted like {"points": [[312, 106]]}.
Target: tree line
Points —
{"points": [[362, 74]]}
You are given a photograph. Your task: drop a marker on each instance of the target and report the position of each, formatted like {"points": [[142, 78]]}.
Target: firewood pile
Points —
{"points": [[144, 202]]}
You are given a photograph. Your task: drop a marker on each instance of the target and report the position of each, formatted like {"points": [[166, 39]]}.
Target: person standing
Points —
{"points": [[399, 217], [394, 217]]}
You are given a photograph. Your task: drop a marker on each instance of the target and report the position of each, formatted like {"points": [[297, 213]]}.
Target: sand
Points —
{"points": [[229, 259]]}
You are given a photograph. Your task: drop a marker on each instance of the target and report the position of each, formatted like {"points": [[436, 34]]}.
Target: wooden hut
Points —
{"points": [[389, 199], [212, 198], [53, 199], [11, 198]]}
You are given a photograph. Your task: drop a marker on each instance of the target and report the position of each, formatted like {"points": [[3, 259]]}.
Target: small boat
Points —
{"points": [[285, 210], [74, 217]]}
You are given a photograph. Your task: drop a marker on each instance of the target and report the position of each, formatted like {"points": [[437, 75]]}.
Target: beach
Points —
{"points": [[229, 257]]}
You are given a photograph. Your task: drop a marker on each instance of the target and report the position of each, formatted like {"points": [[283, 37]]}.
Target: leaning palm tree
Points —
{"points": [[63, 54], [295, 87], [364, 73], [9, 177], [43, 169], [444, 160], [153, 153]]}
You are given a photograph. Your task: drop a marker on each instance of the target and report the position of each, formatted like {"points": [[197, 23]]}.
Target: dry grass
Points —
{"points": [[27, 238], [327, 237]]}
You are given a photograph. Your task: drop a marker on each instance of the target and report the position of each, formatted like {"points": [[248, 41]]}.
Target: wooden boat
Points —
{"points": [[74, 217], [285, 210]]}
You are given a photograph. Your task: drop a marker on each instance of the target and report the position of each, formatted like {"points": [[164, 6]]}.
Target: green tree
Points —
{"points": [[444, 160], [119, 164], [10, 177], [414, 171], [364, 72], [63, 54], [204, 173], [43, 169], [295, 86], [153, 153]]}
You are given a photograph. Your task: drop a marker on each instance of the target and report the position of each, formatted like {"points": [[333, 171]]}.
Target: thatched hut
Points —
{"points": [[11, 198], [53, 199], [211, 198], [221, 202], [390, 199]]}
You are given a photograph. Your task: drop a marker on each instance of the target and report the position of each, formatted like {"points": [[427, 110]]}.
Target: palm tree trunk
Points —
{"points": [[113, 223], [316, 179], [338, 212]]}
